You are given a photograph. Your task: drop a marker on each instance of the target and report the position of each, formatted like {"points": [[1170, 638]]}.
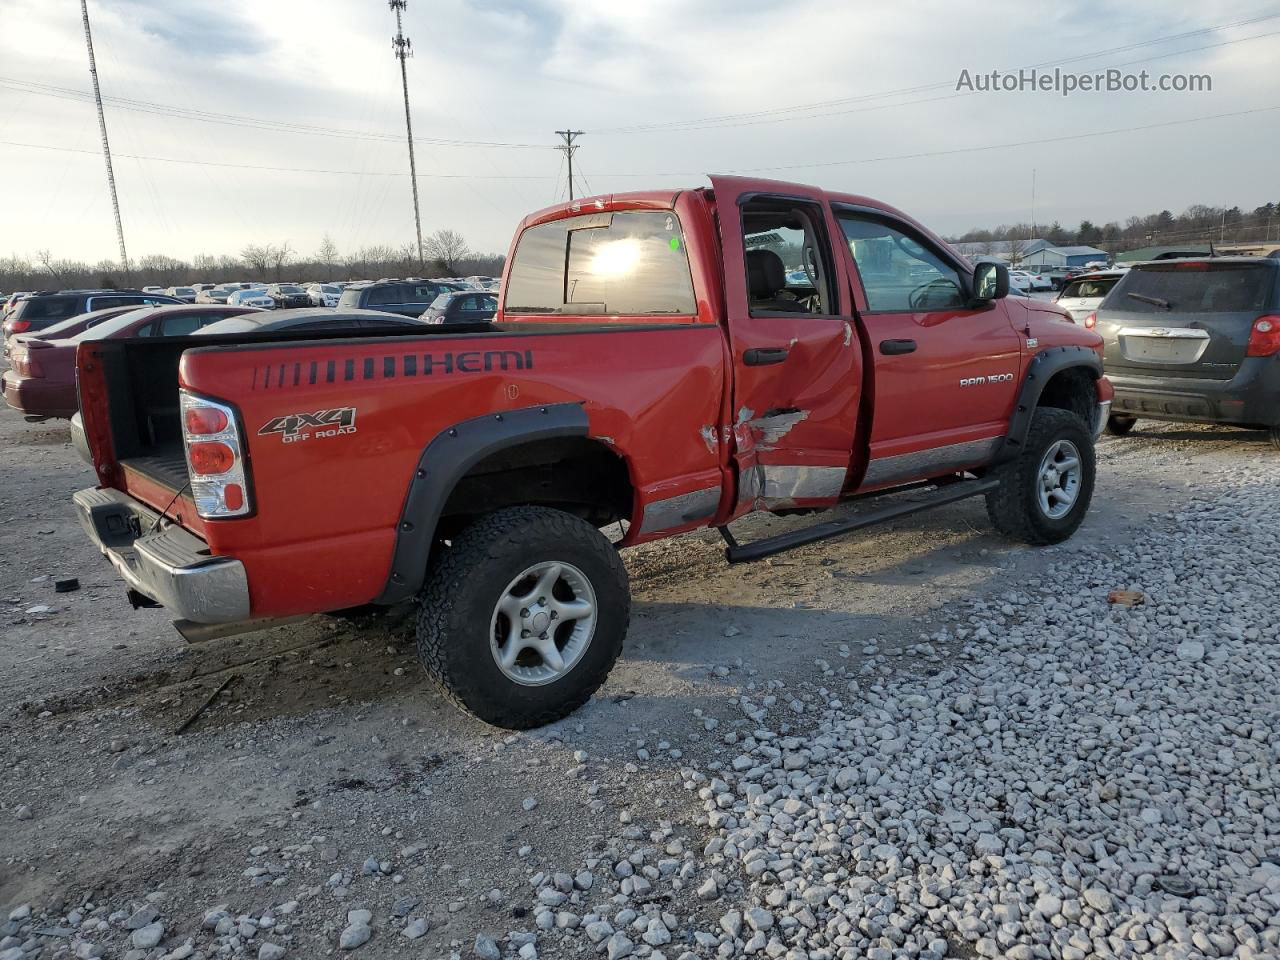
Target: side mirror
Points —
{"points": [[990, 282]]}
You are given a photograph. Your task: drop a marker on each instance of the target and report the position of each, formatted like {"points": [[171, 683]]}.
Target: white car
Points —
{"points": [[1039, 281], [153, 289], [1083, 294], [1020, 280], [256, 297], [324, 294]]}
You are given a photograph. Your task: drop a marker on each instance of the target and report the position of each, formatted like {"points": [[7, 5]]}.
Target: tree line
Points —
{"points": [[1199, 223], [446, 254]]}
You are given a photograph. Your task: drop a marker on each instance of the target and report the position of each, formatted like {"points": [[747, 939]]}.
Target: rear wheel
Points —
{"points": [[1118, 426], [524, 616], [1044, 494]]}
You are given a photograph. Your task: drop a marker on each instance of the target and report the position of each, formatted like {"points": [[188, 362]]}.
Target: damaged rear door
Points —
{"points": [[797, 362]]}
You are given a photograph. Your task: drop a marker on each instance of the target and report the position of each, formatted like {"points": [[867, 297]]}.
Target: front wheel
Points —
{"points": [[1044, 494], [1118, 426], [524, 616]]}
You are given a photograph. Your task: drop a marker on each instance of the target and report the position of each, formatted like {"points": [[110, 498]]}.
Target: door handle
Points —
{"points": [[893, 348], [764, 356]]}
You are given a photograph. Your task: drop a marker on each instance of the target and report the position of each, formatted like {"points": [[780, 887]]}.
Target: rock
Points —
{"points": [[144, 938], [270, 951], [22, 812], [759, 919], [486, 949], [354, 935], [708, 889], [529, 804], [618, 946], [1190, 651], [1097, 898], [144, 915], [415, 928]]}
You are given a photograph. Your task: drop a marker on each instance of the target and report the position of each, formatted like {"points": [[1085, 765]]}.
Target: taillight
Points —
{"points": [[215, 457], [16, 326], [1091, 321], [1264, 337]]}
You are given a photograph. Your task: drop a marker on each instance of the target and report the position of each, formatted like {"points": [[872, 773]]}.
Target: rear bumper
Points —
{"points": [[171, 565], [1250, 398], [37, 397]]}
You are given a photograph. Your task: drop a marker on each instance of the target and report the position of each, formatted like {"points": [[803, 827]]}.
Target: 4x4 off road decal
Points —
{"points": [[312, 426]]}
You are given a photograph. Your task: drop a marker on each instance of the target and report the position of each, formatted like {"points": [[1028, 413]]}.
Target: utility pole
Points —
{"points": [[1033, 202], [403, 49], [106, 146], [569, 149]]}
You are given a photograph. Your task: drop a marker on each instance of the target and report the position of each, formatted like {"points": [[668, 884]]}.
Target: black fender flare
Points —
{"points": [[445, 461], [1042, 369]]}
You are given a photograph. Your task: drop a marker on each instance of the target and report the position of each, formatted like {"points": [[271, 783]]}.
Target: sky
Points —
{"points": [[323, 153]]}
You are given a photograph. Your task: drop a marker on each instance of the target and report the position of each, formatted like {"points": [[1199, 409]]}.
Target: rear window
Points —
{"points": [[46, 308], [631, 264], [1193, 287], [349, 298], [1099, 287], [388, 294]]}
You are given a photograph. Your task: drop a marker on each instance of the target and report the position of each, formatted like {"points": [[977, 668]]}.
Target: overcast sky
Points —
{"points": [[507, 72]]}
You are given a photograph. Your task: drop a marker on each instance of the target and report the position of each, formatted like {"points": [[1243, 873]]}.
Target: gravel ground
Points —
{"points": [[921, 742]]}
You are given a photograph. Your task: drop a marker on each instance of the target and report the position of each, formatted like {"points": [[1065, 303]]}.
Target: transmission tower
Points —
{"points": [[569, 149], [403, 50], [106, 145]]}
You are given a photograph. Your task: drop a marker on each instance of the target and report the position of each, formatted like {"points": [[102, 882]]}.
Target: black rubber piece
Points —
{"points": [[1118, 426], [67, 585], [1014, 506], [463, 587]]}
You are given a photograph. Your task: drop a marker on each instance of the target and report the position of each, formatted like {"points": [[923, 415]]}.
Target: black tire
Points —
{"points": [[1118, 426], [459, 601], [1015, 508]]}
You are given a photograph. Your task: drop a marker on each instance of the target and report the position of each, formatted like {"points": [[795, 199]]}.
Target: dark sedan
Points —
{"points": [[42, 383], [461, 307], [288, 295]]}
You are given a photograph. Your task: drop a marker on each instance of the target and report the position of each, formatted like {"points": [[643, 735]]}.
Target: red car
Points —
{"points": [[42, 381], [660, 362]]}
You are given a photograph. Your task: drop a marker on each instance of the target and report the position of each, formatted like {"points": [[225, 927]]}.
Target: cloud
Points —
{"points": [[517, 70]]}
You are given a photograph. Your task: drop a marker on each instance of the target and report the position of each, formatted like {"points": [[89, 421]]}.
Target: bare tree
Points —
{"points": [[448, 247], [327, 255], [46, 261], [1017, 249], [258, 258], [281, 256]]}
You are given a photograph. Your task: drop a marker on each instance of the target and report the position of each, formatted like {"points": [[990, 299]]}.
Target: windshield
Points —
{"points": [[1193, 287], [112, 326], [1096, 287], [286, 288], [182, 291]]}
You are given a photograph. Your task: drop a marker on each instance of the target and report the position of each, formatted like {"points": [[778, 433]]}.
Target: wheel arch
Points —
{"points": [[1061, 377], [533, 456]]}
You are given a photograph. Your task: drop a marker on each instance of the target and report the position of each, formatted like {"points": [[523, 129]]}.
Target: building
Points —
{"points": [[1038, 253], [1165, 252]]}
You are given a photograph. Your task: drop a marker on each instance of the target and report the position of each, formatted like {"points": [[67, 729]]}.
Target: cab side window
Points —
{"points": [[899, 273], [788, 259]]}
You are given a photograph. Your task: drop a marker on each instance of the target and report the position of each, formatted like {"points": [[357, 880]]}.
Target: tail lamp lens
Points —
{"points": [[211, 458], [17, 326], [215, 457], [204, 421], [1091, 321], [1264, 337]]}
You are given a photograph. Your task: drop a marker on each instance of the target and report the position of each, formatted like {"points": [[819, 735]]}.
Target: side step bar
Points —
{"points": [[742, 552]]}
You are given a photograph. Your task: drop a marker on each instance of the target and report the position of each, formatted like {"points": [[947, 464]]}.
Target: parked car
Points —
{"points": [[42, 381], [626, 381], [11, 301], [288, 295], [397, 296], [252, 297], [217, 294], [1020, 279], [324, 294], [461, 307], [185, 294], [40, 310], [69, 327], [153, 289], [1083, 294], [312, 319], [1195, 341], [1040, 280]]}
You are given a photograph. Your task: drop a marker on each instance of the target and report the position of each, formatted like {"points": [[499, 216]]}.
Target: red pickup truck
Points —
{"points": [[660, 362]]}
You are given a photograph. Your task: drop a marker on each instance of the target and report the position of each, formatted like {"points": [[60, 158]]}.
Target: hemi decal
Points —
{"points": [[409, 365]]}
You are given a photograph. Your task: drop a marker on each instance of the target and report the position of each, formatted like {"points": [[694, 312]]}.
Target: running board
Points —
{"points": [[742, 552]]}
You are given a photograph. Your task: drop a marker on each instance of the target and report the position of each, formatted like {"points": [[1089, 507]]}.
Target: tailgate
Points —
{"points": [[1184, 319]]}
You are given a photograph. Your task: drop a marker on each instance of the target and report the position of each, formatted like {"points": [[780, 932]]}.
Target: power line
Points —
{"points": [[569, 149], [238, 120], [728, 120], [256, 166], [403, 50], [106, 145]]}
